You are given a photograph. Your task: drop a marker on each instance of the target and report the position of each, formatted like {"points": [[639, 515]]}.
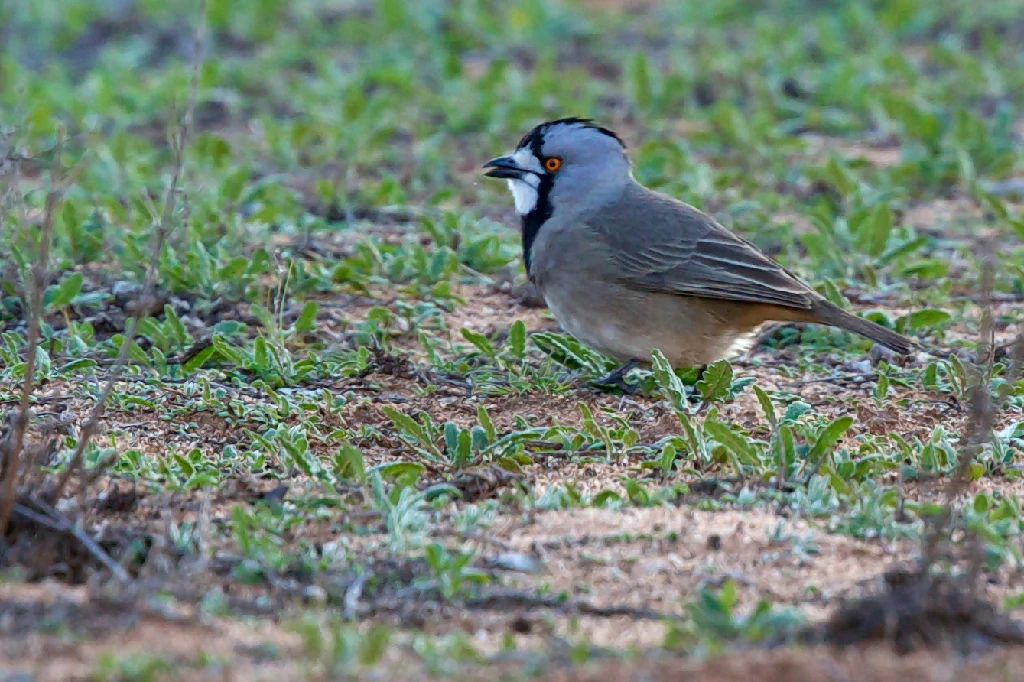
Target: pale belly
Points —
{"points": [[626, 326]]}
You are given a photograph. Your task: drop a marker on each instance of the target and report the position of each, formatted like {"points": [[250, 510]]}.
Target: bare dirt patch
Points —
{"points": [[811, 665], [661, 558], [55, 633]]}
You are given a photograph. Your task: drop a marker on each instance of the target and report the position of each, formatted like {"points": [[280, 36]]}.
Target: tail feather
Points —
{"points": [[825, 312]]}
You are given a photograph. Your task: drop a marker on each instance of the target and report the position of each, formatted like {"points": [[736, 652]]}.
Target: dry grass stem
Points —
{"points": [[161, 232]]}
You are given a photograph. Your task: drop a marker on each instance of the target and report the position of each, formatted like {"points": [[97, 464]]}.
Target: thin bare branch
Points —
{"points": [[10, 451], [161, 231], [53, 521], [983, 409], [511, 599]]}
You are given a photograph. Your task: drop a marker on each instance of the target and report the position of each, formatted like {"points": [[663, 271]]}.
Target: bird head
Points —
{"points": [[570, 160]]}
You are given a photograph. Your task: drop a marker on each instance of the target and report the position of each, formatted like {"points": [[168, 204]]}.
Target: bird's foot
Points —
{"points": [[617, 378]]}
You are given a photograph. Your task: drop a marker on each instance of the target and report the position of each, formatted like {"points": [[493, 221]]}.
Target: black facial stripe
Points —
{"points": [[536, 218], [533, 141]]}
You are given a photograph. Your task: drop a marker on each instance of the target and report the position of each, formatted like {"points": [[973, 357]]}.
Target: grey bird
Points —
{"points": [[627, 270]]}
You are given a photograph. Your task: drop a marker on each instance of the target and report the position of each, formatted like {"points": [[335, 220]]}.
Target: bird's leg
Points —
{"points": [[617, 377]]}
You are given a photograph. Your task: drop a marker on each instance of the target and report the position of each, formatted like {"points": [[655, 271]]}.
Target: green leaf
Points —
{"points": [[412, 430], [485, 422], [65, 292], [795, 411], [435, 556], [667, 458], [235, 267], [517, 340], [977, 470], [174, 324], [260, 357], [766, 406], [827, 438], [694, 436], [588, 426], [260, 262], [437, 234], [451, 439], [636, 492], [374, 644], [228, 352], [199, 359], [727, 597], [840, 176], [153, 331], [136, 353], [478, 438], [568, 351], [304, 460], [929, 317], [833, 294], [788, 447], [641, 79], [671, 386], [77, 365], [186, 466], [404, 423], [464, 450], [307, 318], [874, 230], [732, 441], [349, 463], [478, 340], [509, 464], [882, 386], [715, 382], [395, 470]]}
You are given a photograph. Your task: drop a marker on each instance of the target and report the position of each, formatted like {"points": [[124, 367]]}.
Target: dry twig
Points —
{"points": [[14, 456], [508, 599], [12, 446], [160, 234], [53, 521], [983, 409]]}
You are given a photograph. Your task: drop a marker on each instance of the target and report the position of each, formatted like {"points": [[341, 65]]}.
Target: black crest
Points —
{"points": [[535, 138]]}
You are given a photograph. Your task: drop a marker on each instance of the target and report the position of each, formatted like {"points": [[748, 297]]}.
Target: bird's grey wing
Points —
{"points": [[679, 250]]}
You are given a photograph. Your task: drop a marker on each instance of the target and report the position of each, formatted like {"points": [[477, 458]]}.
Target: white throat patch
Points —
{"points": [[523, 194], [524, 191]]}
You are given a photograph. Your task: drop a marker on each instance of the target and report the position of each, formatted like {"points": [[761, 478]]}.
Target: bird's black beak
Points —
{"points": [[504, 167]]}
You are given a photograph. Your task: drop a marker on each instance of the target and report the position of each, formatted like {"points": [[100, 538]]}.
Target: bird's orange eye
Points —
{"points": [[552, 163]]}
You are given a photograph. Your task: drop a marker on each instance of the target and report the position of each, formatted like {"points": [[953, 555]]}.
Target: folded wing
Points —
{"points": [[683, 251]]}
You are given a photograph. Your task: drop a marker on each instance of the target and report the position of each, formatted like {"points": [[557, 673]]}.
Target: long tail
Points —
{"points": [[825, 312]]}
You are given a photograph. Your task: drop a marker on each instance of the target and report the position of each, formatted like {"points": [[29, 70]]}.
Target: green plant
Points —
{"points": [[713, 619], [452, 572]]}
